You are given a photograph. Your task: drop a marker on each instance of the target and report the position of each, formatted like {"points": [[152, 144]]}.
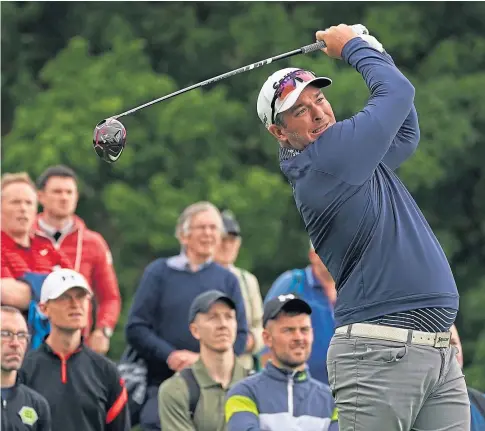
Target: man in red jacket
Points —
{"points": [[87, 250], [26, 260]]}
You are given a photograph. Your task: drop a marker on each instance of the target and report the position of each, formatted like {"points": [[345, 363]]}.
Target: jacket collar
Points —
{"points": [[48, 349], [206, 381], [14, 388], [283, 374]]}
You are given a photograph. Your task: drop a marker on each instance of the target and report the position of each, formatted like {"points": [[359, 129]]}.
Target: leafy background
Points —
{"points": [[67, 65]]}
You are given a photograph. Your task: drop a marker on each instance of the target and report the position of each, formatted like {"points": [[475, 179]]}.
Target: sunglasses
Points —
{"points": [[286, 85]]}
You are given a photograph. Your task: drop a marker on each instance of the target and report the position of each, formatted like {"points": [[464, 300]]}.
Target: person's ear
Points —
{"points": [[278, 132], [267, 339], [44, 309], [194, 330]]}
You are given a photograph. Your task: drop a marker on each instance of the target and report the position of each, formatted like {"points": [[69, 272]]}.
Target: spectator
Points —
{"points": [[83, 388], [87, 250], [226, 255], [315, 285], [477, 399], [22, 408], [212, 320], [283, 396], [157, 324], [26, 260]]}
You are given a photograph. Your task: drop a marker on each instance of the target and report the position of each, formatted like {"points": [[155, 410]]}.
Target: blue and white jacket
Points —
{"points": [[280, 400]]}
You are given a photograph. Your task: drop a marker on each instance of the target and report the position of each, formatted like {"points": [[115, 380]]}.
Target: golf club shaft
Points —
{"points": [[303, 50]]}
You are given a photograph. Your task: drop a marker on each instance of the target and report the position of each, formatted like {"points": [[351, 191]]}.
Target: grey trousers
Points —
{"points": [[390, 386]]}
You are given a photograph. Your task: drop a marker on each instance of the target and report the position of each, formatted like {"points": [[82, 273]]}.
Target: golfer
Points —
{"points": [[390, 363]]}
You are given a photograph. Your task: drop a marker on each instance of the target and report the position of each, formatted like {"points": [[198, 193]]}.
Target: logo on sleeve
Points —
{"points": [[28, 415]]}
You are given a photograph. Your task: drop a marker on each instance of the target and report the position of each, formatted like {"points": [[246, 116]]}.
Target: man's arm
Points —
{"points": [[241, 410], [15, 293], [405, 142], [140, 332], [173, 405], [45, 422], [352, 149], [257, 313], [105, 286], [117, 415], [242, 324]]}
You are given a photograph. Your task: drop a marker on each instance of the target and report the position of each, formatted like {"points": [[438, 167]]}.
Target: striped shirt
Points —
{"points": [[424, 319]]}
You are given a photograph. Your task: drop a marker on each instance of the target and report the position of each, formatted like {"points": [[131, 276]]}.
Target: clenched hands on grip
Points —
{"points": [[336, 37]]}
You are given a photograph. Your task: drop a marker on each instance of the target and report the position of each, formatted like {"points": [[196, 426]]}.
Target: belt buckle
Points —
{"points": [[442, 339]]}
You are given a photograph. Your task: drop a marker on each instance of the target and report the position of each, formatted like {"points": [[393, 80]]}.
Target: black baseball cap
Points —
{"points": [[288, 303], [231, 226], [203, 302]]}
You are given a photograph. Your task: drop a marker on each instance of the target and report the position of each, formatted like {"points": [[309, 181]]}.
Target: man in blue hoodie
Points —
{"points": [[390, 363]]}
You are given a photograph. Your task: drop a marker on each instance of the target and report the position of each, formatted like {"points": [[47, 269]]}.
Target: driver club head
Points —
{"points": [[109, 139]]}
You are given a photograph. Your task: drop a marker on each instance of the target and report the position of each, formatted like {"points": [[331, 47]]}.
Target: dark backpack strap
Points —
{"points": [[194, 390], [478, 400]]}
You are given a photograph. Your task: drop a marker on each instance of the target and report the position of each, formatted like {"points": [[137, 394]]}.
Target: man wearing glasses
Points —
{"points": [[22, 407]]}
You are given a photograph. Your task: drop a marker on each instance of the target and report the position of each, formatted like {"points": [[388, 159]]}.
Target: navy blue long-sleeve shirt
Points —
{"points": [[364, 224], [158, 320]]}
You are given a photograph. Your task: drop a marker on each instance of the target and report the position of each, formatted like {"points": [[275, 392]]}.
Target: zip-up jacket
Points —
{"points": [[280, 400], [25, 410], [83, 389], [90, 255]]}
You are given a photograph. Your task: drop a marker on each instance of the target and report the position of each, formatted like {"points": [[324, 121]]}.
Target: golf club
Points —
{"points": [[109, 138]]}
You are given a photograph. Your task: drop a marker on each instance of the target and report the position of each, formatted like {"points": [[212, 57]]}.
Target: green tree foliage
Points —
{"points": [[66, 66]]}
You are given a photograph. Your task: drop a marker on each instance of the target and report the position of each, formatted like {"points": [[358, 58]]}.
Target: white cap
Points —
{"points": [[269, 88], [60, 281]]}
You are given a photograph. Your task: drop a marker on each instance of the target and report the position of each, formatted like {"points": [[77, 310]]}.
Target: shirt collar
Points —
{"points": [[287, 153], [181, 263], [50, 230], [206, 381]]}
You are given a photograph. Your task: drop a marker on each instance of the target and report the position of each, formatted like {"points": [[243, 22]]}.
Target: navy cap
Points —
{"points": [[231, 226], [286, 303], [203, 302]]}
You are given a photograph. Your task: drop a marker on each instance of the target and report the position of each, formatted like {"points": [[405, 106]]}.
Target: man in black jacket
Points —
{"points": [[22, 408], [83, 388]]}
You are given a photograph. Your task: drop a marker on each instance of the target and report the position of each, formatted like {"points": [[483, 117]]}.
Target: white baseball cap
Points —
{"points": [[60, 281], [299, 79]]}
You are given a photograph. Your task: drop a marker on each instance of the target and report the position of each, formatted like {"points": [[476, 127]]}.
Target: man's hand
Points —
{"points": [[99, 342], [336, 37], [180, 359]]}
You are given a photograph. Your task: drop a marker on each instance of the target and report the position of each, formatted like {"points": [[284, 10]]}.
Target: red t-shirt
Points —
{"points": [[40, 257]]}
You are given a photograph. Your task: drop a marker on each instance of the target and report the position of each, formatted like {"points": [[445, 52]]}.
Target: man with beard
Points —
{"points": [[283, 396], [22, 408], [212, 321]]}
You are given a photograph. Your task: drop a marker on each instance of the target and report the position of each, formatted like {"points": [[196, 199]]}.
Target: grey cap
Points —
{"points": [[203, 302], [231, 226], [288, 302]]}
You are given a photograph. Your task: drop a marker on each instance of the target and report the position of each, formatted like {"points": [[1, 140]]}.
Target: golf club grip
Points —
{"points": [[313, 47]]}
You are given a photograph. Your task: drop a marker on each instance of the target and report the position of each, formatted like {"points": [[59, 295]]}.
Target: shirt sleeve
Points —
{"points": [[117, 415], [173, 405], [45, 421], [352, 149], [257, 312], [140, 331], [105, 287], [241, 411], [405, 142], [242, 324]]}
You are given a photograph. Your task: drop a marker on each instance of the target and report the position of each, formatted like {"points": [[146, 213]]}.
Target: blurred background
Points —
{"points": [[68, 65]]}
